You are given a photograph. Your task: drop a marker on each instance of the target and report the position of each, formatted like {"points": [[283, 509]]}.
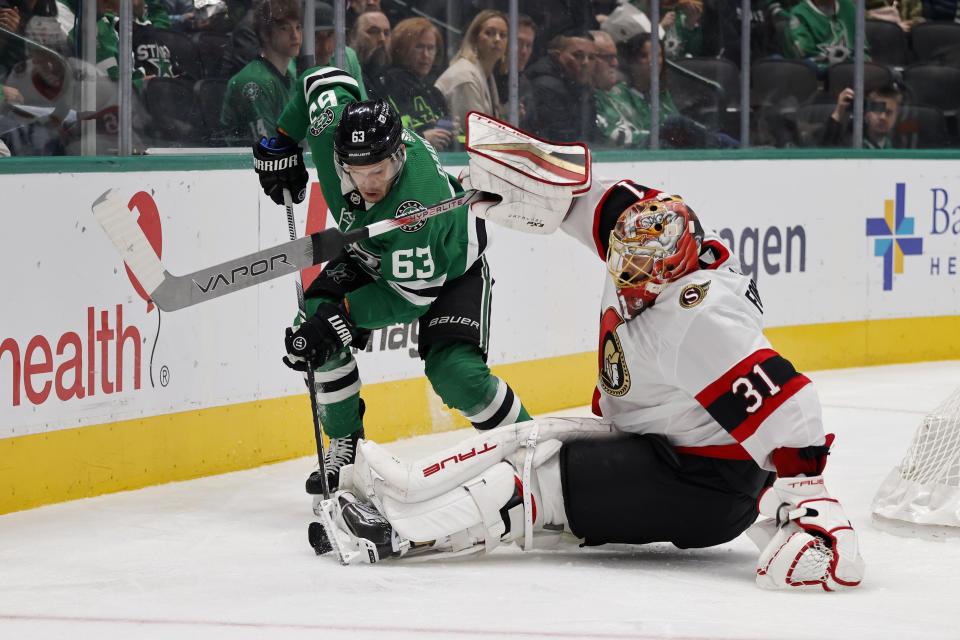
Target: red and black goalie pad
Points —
{"points": [[742, 398], [614, 202]]}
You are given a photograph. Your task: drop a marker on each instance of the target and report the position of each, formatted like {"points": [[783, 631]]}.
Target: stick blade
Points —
{"points": [[117, 221]]}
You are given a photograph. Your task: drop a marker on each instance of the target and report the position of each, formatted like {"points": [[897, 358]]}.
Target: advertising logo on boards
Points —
{"points": [[89, 360], [894, 236]]}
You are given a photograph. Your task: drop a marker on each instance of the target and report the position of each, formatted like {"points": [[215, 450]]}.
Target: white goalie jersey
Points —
{"points": [[696, 366]]}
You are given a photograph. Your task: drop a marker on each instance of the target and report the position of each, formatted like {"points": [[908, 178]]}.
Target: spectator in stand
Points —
{"points": [[628, 20], [468, 84], [415, 47], [942, 10], [683, 36], [370, 38], [151, 55], [108, 43], [616, 104], [257, 95], [526, 37], [677, 131], [244, 45], [185, 16], [356, 7], [904, 13], [879, 117], [821, 32], [720, 27], [323, 45], [565, 110]]}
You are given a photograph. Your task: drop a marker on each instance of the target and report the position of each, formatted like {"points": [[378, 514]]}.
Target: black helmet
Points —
{"points": [[368, 132]]}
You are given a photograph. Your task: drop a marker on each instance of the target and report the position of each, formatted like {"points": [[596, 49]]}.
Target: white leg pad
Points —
{"points": [[465, 515], [377, 471]]}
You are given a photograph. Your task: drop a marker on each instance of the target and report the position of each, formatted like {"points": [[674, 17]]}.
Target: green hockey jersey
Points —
{"points": [[255, 98], [408, 265], [825, 39]]}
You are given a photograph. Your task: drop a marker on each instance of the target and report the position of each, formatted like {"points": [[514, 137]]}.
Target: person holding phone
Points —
{"points": [[415, 48], [880, 112]]}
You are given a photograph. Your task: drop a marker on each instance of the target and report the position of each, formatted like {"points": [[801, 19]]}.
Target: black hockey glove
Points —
{"points": [[318, 337], [279, 163]]}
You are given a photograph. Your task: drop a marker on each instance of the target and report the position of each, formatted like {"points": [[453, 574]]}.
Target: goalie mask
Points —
{"points": [[368, 145], [653, 243]]}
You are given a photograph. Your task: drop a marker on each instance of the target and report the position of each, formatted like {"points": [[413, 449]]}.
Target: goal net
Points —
{"points": [[925, 488]]}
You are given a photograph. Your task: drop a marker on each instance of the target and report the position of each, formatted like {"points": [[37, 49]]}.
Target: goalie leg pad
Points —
{"points": [[466, 516]]}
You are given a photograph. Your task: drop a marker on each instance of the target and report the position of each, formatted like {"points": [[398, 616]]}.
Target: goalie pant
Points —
{"points": [[584, 478]]}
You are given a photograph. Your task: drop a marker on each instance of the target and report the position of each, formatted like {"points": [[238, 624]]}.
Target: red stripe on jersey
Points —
{"points": [[595, 403], [751, 424], [722, 384], [742, 398]]}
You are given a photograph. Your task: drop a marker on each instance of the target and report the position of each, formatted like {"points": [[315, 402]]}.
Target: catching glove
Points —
{"points": [[318, 337], [808, 541], [279, 163]]}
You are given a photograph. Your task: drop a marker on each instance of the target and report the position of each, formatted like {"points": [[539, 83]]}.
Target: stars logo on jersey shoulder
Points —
{"points": [[693, 294], [406, 208], [340, 274], [251, 91], [321, 122], [345, 219], [614, 374]]}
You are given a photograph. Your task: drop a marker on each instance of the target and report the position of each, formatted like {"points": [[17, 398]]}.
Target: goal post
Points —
{"points": [[924, 490]]}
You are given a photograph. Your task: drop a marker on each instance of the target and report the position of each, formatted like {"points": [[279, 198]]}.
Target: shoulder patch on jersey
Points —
{"points": [[406, 208], [251, 91], [693, 294], [321, 122], [614, 374]]}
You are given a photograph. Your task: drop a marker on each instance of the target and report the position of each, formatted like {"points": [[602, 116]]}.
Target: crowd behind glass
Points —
{"points": [[201, 74]]}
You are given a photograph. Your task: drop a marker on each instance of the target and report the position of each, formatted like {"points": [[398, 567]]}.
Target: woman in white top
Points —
{"points": [[468, 83]]}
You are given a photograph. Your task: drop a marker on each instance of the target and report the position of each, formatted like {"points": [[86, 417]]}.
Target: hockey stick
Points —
{"points": [[170, 292], [311, 381]]}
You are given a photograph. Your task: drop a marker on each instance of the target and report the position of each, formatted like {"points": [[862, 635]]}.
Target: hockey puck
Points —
{"points": [[318, 538]]}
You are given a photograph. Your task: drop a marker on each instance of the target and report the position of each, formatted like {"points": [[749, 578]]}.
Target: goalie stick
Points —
{"points": [[171, 292]]}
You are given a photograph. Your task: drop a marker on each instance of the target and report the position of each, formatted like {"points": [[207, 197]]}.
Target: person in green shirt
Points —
{"points": [[821, 32], [257, 94], [618, 117], [370, 168]]}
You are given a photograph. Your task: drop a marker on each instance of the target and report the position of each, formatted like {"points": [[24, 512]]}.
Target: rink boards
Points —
{"points": [[857, 262]]}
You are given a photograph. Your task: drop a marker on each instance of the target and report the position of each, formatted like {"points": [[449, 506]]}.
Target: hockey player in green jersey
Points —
{"points": [[370, 168]]}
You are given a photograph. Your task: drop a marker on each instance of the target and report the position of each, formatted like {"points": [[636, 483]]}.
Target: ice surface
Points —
{"points": [[227, 557]]}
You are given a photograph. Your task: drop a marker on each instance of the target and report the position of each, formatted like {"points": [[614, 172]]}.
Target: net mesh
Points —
{"points": [[925, 488], [934, 455]]}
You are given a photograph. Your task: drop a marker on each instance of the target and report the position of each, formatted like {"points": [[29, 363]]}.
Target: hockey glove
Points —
{"points": [[279, 163], [808, 541], [318, 337]]}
